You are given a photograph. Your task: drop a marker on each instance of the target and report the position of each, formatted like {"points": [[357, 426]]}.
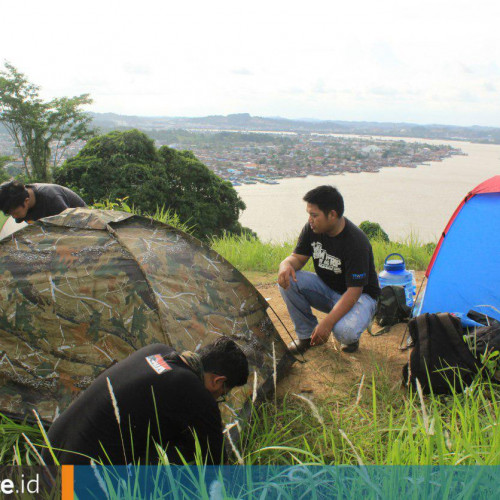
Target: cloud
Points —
{"points": [[241, 71], [467, 96], [384, 91], [466, 69], [320, 87], [385, 56], [89, 82], [136, 69], [489, 87]]}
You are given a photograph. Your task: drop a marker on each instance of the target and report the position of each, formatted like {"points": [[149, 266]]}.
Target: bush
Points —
{"points": [[126, 164], [374, 231]]}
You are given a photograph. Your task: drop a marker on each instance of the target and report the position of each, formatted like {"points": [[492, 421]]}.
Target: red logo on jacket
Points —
{"points": [[158, 364]]}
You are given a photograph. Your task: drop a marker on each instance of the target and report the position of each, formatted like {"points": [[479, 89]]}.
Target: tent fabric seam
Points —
{"points": [[115, 235]]}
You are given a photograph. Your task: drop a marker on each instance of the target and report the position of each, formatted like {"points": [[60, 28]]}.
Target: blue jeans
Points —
{"points": [[311, 291]]}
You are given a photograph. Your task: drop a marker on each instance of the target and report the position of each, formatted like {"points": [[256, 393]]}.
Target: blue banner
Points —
{"points": [[287, 482]]}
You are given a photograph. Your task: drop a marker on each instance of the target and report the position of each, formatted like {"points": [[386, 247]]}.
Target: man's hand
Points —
{"points": [[285, 271], [322, 331], [292, 263], [340, 309]]}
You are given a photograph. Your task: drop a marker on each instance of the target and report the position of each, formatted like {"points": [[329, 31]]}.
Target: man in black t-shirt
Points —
{"points": [[345, 285], [155, 397], [35, 201]]}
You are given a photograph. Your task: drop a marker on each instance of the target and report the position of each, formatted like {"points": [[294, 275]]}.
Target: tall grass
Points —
{"points": [[417, 254], [383, 425], [250, 254], [162, 214], [14, 447], [3, 219], [390, 428]]}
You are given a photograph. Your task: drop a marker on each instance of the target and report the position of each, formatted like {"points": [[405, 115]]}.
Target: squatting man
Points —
{"points": [[345, 284]]}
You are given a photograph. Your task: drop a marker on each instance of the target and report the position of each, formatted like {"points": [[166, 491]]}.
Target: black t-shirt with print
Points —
{"points": [[341, 261], [159, 399]]}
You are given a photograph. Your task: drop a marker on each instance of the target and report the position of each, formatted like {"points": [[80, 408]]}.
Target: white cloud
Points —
{"points": [[242, 71], [386, 60], [136, 69]]}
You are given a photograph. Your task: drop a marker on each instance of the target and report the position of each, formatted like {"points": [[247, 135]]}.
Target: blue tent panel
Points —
{"points": [[466, 272]]}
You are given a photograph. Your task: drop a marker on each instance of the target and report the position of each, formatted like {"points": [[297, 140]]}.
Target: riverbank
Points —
{"points": [[403, 201]]}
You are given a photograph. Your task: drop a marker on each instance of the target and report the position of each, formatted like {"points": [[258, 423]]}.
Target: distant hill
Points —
{"points": [[246, 122]]}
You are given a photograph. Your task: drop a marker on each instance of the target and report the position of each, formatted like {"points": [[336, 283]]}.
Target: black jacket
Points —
{"points": [[159, 400]]}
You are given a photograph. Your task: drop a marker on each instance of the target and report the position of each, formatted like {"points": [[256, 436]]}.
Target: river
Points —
{"points": [[403, 201]]}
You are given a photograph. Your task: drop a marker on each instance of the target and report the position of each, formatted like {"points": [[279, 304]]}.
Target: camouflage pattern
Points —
{"points": [[82, 290]]}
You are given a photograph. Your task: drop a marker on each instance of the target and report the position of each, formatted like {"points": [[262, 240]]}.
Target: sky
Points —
{"points": [[431, 61]]}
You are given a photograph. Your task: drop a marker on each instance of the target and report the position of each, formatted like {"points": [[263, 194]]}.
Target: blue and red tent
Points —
{"points": [[464, 272]]}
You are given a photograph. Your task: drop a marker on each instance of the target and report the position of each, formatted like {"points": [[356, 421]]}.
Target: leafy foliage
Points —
{"points": [[41, 130], [4, 176], [127, 165], [374, 231], [167, 216]]}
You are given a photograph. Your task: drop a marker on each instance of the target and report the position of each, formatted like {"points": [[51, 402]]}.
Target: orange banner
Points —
{"points": [[68, 482]]}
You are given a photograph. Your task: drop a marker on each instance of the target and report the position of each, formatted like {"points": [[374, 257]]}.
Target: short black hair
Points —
{"points": [[225, 358], [12, 195], [327, 198]]}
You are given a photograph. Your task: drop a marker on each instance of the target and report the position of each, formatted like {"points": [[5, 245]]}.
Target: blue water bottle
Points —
{"points": [[395, 273]]}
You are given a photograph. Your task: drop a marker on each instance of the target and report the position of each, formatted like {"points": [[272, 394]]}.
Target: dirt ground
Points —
{"points": [[327, 367]]}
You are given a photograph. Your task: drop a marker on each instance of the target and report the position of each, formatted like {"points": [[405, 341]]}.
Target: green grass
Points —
{"points": [[374, 425], [165, 215], [249, 254], [14, 446], [3, 218], [387, 427]]}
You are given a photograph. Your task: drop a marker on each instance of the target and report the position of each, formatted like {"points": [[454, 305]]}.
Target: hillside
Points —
{"points": [[326, 366], [246, 122]]}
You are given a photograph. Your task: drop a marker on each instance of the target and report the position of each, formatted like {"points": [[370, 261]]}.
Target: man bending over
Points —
{"points": [[35, 201], [155, 397]]}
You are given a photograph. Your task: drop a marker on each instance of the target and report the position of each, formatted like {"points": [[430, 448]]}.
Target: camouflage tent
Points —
{"points": [[82, 290]]}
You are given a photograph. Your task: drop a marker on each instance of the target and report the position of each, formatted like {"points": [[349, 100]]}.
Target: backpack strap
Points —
{"points": [[423, 339], [403, 306], [380, 331]]}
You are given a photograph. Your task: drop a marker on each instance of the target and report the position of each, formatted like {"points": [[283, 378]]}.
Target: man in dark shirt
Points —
{"points": [[345, 285], [155, 397], [35, 201]]}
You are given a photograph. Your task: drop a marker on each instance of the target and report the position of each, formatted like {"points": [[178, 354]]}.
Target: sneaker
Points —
{"points": [[299, 346], [350, 347]]}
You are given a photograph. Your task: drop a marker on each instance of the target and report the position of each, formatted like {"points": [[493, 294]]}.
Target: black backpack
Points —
{"points": [[439, 358], [487, 339], [484, 342], [391, 306]]}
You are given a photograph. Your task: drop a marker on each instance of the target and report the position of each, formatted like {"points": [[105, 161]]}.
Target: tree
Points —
{"points": [[374, 231], [41, 130], [127, 164], [4, 176]]}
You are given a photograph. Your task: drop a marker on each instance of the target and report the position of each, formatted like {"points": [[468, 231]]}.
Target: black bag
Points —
{"points": [[439, 359], [487, 339], [483, 318], [391, 306], [484, 342]]}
